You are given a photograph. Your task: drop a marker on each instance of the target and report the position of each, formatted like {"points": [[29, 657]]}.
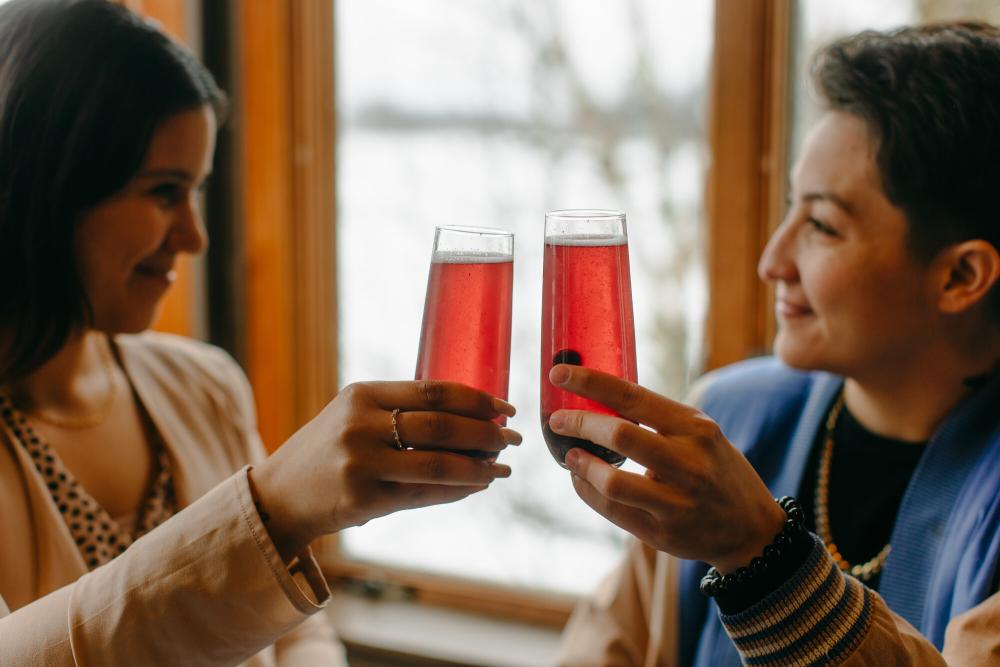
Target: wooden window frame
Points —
{"points": [[284, 125], [284, 128], [747, 182]]}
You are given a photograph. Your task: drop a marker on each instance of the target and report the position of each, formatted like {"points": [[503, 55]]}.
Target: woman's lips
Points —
{"points": [[789, 310], [164, 276]]}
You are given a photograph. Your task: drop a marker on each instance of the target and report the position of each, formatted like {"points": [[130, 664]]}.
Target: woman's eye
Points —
{"points": [[168, 193], [821, 227]]}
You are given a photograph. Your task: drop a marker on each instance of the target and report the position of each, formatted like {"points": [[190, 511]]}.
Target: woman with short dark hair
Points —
{"points": [[135, 529], [879, 413]]}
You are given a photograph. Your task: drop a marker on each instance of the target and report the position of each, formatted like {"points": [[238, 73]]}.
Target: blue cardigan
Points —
{"points": [[946, 539]]}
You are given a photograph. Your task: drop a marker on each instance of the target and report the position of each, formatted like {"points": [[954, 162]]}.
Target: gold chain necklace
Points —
{"points": [[862, 571], [93, 418]]}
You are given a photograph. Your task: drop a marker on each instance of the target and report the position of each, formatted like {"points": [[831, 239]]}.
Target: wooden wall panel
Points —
{"points": [[314, 205], [745, 194], [265, 148], [284, 129]]}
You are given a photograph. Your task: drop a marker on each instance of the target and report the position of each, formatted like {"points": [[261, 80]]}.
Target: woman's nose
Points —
{"points": [[777, 262], [188, 232]]}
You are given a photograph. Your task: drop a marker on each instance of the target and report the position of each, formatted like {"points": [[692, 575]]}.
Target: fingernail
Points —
{"points": [[503, 407], [557, 421], [500, 470], [511, 437], [559, 374]]}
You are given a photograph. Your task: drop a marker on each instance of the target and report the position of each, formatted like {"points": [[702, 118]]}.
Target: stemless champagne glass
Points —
{"points": [[586, 313], [465, 335]]}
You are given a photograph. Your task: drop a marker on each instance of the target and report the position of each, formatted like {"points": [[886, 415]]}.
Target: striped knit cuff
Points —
{"points": [[819, 616]]}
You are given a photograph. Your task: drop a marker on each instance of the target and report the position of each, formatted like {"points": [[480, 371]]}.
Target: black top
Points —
{"points": [[868, 477]]}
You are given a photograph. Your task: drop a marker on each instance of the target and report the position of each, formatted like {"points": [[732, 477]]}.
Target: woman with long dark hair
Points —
{"points": [[142, 523]]}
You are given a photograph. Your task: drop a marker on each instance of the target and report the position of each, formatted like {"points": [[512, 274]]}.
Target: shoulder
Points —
{"points": [[168, 353], [750, 383], [188, 367], [175, 351], [196, 386]]}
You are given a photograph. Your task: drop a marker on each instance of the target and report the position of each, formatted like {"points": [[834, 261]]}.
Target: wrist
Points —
{"points": [[289, 536], [786, 546], [771, 523]]}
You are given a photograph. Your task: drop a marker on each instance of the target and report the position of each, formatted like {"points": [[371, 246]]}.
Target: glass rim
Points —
{"points": [[478, 231], [586, 214]]}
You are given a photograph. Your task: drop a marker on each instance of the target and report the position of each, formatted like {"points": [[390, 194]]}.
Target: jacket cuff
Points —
{"points": [[745, 595], [302, 580], [819, 614]]}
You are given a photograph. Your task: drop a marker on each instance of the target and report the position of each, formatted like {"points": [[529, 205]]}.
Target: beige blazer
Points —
{"points": [[205, 588]]}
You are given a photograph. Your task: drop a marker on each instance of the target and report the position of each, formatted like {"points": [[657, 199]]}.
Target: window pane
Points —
{"points": [[462, 113], [820, 22]]}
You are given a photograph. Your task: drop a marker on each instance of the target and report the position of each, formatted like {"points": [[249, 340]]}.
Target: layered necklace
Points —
{"points": [[863, 571]]}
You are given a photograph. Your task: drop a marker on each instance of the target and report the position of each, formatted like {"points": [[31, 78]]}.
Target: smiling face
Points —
{"points": [[850, 298], [127, 246]]}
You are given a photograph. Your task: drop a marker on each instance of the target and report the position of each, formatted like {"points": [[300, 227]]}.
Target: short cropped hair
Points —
{"points": [[930, 96], [84, 84]]}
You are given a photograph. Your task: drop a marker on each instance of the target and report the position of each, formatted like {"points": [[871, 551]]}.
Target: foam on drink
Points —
{"points": [[587, 240], [469, 257]]}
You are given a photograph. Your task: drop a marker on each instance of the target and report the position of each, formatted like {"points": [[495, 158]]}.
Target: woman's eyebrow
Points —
{"points": [[831, 197], [181, 174]]}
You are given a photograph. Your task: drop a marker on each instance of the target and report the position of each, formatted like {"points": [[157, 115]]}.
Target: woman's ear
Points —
{"points": [[965, 272]]}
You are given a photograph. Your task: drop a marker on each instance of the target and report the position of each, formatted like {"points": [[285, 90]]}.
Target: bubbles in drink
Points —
{"points": [[586, 320], [465, 336]]}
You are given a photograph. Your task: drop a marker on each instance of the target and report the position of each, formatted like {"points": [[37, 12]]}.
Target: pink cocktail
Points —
{"points": [[587, 315], [465, 335]]}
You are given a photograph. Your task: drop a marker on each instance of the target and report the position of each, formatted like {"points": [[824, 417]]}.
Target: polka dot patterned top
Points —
{"points": [[97, 535]]}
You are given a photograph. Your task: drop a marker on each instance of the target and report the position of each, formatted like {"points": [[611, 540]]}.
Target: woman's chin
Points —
{"points": [[795, 352], [129, 323]]}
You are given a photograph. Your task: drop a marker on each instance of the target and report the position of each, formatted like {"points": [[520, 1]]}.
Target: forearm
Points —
{"points": [[206, 588]]}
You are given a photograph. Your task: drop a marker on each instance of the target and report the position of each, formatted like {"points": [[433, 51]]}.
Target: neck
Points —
{"points": [[909, 403], [72, 381]]}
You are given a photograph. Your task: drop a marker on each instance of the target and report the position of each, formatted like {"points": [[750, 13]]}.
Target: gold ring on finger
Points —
{"points": [[395, 431]]}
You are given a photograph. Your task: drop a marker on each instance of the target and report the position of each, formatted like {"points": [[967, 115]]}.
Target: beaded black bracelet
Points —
{"points": [[713, 583]]}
